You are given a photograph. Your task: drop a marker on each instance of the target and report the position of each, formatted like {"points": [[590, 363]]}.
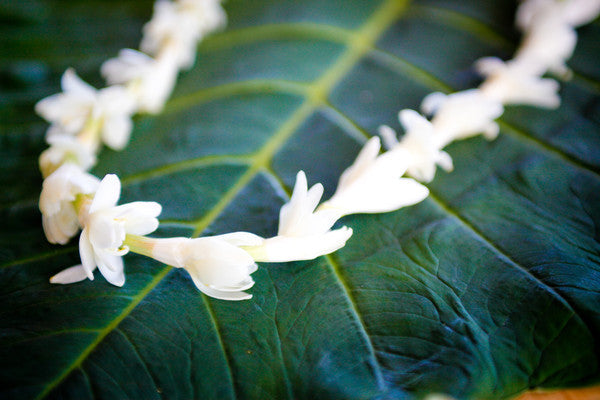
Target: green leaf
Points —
{"points": [[487, 288]]}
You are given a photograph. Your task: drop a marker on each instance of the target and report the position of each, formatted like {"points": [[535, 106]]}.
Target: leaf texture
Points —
{"points": [[489, 287]]}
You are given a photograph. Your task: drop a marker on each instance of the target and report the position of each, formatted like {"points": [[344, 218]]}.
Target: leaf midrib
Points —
{"points": [[362, 42]]}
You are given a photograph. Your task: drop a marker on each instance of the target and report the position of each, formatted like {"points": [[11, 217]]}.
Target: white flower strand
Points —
{"points": [[221, 266], [139, 83], [549, 41], [176, 27], [83, 117]]}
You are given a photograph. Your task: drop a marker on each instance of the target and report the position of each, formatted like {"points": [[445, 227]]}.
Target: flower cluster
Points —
{"points": [[549, 41], [82, 118], [220, 266]]}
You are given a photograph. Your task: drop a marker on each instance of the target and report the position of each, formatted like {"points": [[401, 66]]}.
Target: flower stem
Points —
{"points": [[139, 244]]}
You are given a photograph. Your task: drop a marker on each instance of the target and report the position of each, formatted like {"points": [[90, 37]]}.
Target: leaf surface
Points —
{"points": [[487, 288]]}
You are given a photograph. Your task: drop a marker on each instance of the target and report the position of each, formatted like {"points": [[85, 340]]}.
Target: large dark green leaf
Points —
{"points": [[489, 287]]}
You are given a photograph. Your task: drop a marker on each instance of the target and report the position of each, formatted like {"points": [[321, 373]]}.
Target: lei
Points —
{"points": [[82, 119]]}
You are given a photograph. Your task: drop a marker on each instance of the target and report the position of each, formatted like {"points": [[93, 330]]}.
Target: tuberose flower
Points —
{"points": [[579, 12], [549, 41], [177, 27], [57, 201], [105, 226], [150, 80], [462, 114], [373, 183], [209, 14], [63, 149], [218, 265], [82, 110], [303, 234], [513, 83], [419, 147], [572, 12]]}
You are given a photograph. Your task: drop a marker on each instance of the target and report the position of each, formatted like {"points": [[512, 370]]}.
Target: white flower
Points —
{"points": [[298, 216], [217, 264], [573, 12], [579, 12], [59, 192], [105, 227], [462, 114], [65, 148], [298, 248], [529, 9], [419, 146], [549, 41], [373, 183], [150, 80], [172, 30], [209, 14], [513, 83], [80, 108], [177, 27], [303, 234], [69, 275]]}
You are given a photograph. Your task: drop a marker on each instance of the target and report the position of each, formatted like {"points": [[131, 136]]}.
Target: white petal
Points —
{"points": [[296, 217], [116, 132], [413, 121], [217, 263], [389, 136], [71, 83], [291, 212], [50, 108], [489, 65], [445, 161], [86, 253], [548, 44], [139, 217], [70, 275], [53, 232], [219, 294], [580, 12], [283, 248], [59, 190], [170, 251], [63, 185], [107, 194], [67, 221], [240, 239], [423, 171], [105, 233], [111, 267], [364, 160], [491, 131], [379, 196], [432, 102], [515, 82], [527, 11], [465, 114], [65, 148], [129, 65]]}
